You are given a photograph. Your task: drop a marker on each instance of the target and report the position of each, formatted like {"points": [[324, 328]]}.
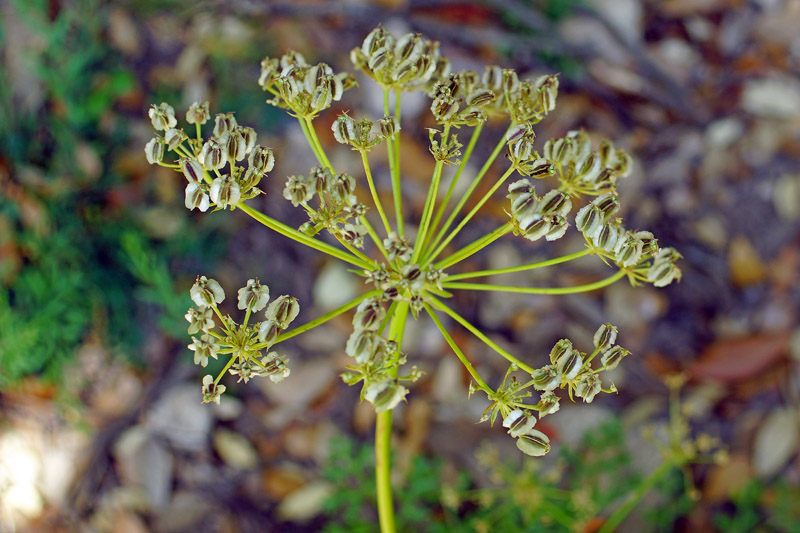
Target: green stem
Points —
{"points": [[430, 202], [374, 193], [458, 352], [476, 133], [225, 369], [509, 270], [320, 149], [478, 333], [394, 169], [383, 470], [537, 290], [302, 238], [474, 247], [470, 189], [635, 497], [471, 214], [311, 143]]}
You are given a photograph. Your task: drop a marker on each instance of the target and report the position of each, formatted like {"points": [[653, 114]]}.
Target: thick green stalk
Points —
{"points": [[394, 163], [474, 247], [478, 333], [468, 192], [521, 268], [302, 238], [383, 437], [374, 193], [313, 133], [433, 255], [636, 496], [467, 153], [464, 361], [536, 290], [430, 202], [311, 143], [383, 471]]}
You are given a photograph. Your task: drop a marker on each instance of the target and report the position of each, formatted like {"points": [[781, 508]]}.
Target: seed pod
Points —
{"points": [[569, 364], [480, 97], [605, 337], [606, 238], [199, 320], [471, 117], [261, 159], [274, 366], [493, 78], [558, 227], [588, 387], [556, 203], [253, 296], [224, 123], [629, 252], [225, 192], [235, 146], [369, 315], [174, 137], [298, 190], [444, 108], [342, 189], [378, 60], [521, 150], [397, 247], [607, 153], [663, 272], [589, 220], [535, 227], [649, 242], [354, 234], [545, 378], [362, 345], [385, 395], [206, 292], [198, 113], [389, 127], [547, 88], [251, 178], [510, 82], [321, 99], [154, 150], [522, 187], [250, 136], [268, 331], [406, 71], [191, 169], [344, 129], [517, 132], [414, 277], [283, 310], [519, 422], [608, 203], [373, 40], [562, 150], [590, 168], [560, 348], [611, 358], [212, 392], [212, 156], [538, 168], [195, 197], [534, 443], [162, 117], [548, 404]]}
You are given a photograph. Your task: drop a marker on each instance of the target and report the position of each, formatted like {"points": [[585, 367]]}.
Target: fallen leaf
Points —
{"points": [[744, 263], [776, 442], [731, 360]]}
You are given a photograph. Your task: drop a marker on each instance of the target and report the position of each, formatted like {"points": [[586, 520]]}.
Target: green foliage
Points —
{"points": [[758, 507]]}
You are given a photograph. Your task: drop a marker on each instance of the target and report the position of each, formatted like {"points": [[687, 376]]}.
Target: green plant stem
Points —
{"points": [[373, 191], [478, 333], [476, 133], [383, 470], [635, 497], [430, 202], [383, 437], [313, 133], [355, 251], [288, 231], [537, 290], [521, 268], [472, 372], [464, 197], [225, 369], [471, 214], [394, 169], [321, 320], [474, 247], [311, 143]]}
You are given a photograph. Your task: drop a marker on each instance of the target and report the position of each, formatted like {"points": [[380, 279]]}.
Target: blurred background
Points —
{"points": [[101, 425]]}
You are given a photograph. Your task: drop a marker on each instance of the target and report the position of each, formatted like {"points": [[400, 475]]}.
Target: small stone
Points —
{"points": [[744, 263], [335, 286], [786, 197], [724, 132], [184, 513], [145, 462], [305, 503], [776, 442], [235, 449], [181, 418], [777, 98]]}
